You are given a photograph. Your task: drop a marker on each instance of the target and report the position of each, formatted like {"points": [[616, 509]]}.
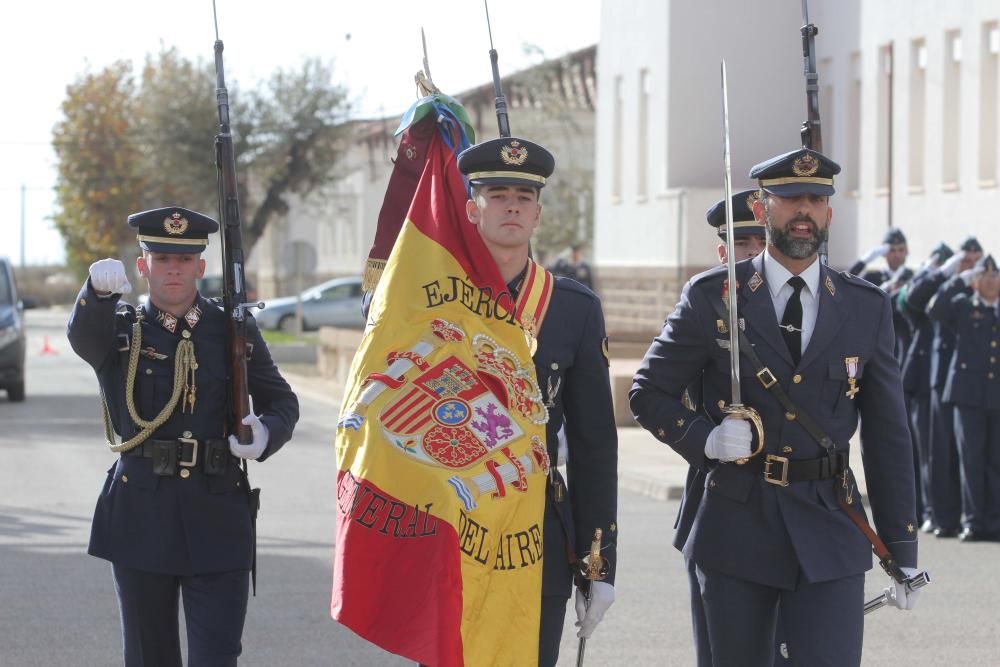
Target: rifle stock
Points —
{"points": [[233, 284]]}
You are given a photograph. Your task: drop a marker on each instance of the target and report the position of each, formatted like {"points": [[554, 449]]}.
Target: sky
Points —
{"points": [[375, 46]]}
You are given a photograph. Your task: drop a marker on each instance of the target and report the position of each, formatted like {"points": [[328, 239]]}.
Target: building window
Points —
{"points": [[642, 150], [883, 120], [854, 125], [618, 140], [950, 118], [988, 105], [918, 103]]}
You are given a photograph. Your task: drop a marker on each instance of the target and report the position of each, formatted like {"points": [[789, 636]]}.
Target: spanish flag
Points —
{"points": [[440, 443]]}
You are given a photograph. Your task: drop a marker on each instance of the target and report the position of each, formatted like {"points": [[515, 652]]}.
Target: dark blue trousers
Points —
{"points": [[823, 623], [943, 465], [978, 434], [215, 607], [551, 629], [699, 626], [918, 413]]}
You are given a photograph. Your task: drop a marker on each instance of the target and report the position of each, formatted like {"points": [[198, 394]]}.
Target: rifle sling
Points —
{"points": [[770, 382]]}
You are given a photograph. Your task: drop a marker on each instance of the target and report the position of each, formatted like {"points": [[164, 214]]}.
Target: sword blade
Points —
{"points": [[734, 338], [583, 640]]}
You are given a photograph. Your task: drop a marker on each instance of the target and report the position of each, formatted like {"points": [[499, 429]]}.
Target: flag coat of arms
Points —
{"points": [[440, 443]]}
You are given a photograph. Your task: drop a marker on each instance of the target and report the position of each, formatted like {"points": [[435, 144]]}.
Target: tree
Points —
{"points": [[97, 180], [123, 147]]}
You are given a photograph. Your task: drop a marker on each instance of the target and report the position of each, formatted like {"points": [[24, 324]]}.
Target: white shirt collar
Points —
{"points": [[777, 276]]}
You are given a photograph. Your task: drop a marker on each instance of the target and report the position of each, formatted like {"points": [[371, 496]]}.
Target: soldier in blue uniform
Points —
{"points": [[775, 531], [917, 381], [175, 516], [572, 367], [973, 388], [895, 251], [943, 470]]}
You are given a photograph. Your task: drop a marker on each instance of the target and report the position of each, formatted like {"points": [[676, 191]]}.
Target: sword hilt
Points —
{"points": [[740, 411], [918, 580]]}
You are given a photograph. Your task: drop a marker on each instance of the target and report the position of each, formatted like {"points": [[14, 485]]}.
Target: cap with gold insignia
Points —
{"points": [[971, 244], [798, 172], [506, 161], [987, 264], [894, 236], [744, 223], [172, 229]]}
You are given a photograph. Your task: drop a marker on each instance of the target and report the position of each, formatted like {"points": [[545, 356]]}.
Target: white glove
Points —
{"points": [[875, 253], [949, 267], [902, 597], [259, 444], [587, 619], [730, 440], [108, 275], [967, 275]]}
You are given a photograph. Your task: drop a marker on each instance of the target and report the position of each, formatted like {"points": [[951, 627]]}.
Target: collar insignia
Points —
{"points": [[829, 286], [192, 317], [805, 165], [756, 280], [514, 153], [167, 321], [175, 225]]}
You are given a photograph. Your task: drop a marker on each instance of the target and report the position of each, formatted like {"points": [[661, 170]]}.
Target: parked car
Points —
{"points": [[335, 303], [12, 343]]}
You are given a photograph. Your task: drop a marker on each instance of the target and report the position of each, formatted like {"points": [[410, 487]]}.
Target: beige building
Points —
{"points": [[909, 104]]}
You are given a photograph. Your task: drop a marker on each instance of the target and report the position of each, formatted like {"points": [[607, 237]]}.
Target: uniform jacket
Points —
{"points": [[922, 292], [917, 362], [572, 372], [173, 525], [744, 526], [974, 372]]}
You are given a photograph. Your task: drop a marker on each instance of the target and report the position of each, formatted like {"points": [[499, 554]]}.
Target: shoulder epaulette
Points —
{"points": [[852, 279]]}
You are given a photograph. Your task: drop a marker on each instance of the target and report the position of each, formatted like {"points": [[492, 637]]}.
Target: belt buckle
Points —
{"points": [[770, 460], [194, 453], [768, 381]]}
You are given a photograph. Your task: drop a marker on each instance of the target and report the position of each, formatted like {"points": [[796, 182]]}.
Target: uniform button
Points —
{"points": [[963, 365], [711, 484], [186, 434], [554, 366], [83, 302], [722, 404], [993, 360], [796, 378], [185, 334], [149, 371], [989, 375], [786, 450], [125, 478], [185, 473], [993, 343], [238, 482], [790, 416]]}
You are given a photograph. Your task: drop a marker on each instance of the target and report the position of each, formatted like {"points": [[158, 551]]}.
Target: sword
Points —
{"points": [[593, 568], [736, 408], [918, 580]]}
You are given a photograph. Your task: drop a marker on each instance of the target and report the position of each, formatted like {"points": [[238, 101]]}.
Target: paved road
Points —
{"points": [[58, 606]]}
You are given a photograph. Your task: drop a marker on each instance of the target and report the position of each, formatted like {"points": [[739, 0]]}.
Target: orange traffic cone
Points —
{"points": [[47, 349]]}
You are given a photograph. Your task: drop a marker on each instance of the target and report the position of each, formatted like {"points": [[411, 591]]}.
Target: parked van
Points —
{"points": [[11, 334]]}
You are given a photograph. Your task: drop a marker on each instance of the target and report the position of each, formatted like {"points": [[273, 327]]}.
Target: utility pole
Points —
{"points": [[23, 188]]}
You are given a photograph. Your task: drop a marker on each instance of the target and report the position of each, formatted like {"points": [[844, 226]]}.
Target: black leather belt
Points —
{"points": [[180, 453], [782, 471]]}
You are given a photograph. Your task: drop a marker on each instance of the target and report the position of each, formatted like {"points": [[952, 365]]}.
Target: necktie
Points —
{"points": [[791, 321]]}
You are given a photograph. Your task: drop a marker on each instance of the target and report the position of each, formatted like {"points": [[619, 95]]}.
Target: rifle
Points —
{"points": [[501, 101], [234, 294], [811, 131]]}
